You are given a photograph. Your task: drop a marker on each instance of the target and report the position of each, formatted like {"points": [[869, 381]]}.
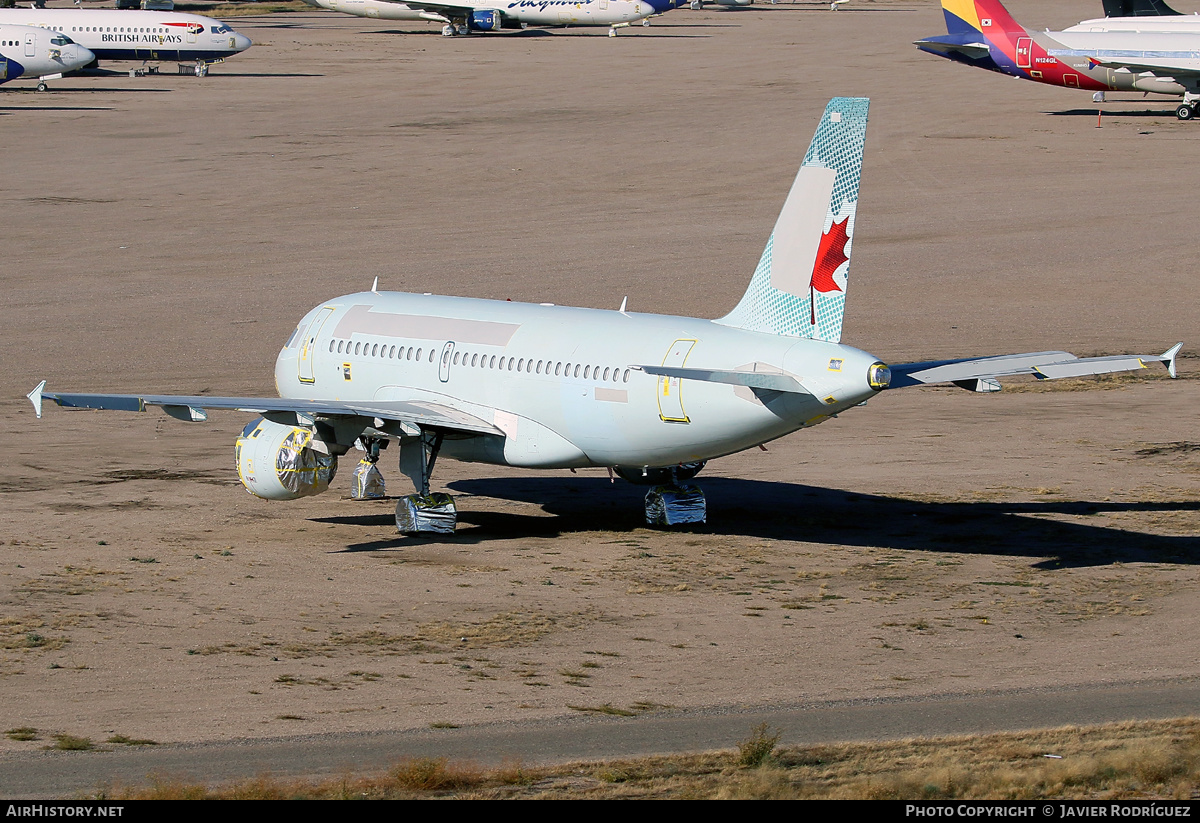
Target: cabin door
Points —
{"points": [[444, 364], [1024, 52], [670, 399], [308, 346]]}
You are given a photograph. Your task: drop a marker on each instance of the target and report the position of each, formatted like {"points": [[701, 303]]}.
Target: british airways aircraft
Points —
{"points": [[142, 36], [981, 33], [28, 51], [466, 16], [652, 397]]}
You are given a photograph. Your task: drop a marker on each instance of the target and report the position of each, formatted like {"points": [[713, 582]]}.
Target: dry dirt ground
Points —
{"points": [[166, 233]]}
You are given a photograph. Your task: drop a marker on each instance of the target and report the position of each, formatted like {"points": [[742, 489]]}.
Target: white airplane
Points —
{"points": [[1140, 15], [982, 33], [142, 36], [468, 16], [28, 51], [650, 396]]}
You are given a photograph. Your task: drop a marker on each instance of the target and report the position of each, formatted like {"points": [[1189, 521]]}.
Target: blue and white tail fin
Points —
{"points": [[799, 287]]}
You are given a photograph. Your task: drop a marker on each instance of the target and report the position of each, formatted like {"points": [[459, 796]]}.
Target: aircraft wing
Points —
{"points": [[439, 8], [980, 374], [193, 408], [1164, 67]]}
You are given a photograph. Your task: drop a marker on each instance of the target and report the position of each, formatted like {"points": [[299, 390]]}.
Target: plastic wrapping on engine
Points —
{"points": [[301, 470], [675, 505], [367, 482], [435, 513]]}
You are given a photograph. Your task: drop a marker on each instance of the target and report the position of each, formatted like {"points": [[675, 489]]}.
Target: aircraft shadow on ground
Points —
{"points": [[13, 109], [258, 74], [1168, 112], [784, 511], [84, 90]]}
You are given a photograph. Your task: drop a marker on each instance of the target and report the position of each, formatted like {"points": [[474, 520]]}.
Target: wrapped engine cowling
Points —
{"points": [[277, 462], [367, 483]]}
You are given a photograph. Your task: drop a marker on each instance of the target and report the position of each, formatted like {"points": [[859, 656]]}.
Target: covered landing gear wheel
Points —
{"points": [[675, 504], [423, 512], [426, 514], [201, 69], [1186, 111]]}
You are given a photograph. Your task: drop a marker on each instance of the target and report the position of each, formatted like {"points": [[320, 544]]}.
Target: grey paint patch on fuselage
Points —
{"points": [[361, 319]]}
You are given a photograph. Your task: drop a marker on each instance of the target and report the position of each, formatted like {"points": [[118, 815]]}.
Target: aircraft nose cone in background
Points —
{"points": [[75, 56], [241, 42], [644, 9]]}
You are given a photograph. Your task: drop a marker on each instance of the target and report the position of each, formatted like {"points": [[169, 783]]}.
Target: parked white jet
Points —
{"points": [[142, 36], [468, 16], [543, 386], [28, 51], [1140, 15]]}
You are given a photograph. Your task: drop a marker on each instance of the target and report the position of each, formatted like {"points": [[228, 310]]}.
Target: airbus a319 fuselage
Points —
{"points": [[560, 382], [540, 386]]}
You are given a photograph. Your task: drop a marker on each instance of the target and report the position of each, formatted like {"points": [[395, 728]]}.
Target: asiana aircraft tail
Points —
{"points": [[1155, 58]]}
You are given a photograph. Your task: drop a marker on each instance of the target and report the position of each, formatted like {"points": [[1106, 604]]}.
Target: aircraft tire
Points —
{"points": [[42, 86], [1185, 112]]}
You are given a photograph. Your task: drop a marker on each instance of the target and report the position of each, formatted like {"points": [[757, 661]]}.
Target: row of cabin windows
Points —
{"points": [[483, 361], [119, 29], [375, 350]]}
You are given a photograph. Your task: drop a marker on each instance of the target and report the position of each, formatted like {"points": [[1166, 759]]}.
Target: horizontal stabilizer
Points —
{"points": [[751, 379], [980, 374], [952, 45], [418, 413]]}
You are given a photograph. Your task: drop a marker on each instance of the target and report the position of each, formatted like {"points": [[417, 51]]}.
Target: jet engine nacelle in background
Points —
{"points": [[647, 476], [486, 20], [278, 462]]}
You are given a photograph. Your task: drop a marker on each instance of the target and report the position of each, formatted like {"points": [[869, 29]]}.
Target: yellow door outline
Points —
{"points": [[670, 399], [308, 345]]}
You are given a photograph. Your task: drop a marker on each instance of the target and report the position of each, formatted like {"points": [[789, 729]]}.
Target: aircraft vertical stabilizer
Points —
{"points": [[979, 17], [799, 287]]}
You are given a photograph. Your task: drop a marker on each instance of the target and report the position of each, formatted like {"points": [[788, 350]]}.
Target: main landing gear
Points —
{"points": [[423, 512], [671, 500], [1188, 108]]}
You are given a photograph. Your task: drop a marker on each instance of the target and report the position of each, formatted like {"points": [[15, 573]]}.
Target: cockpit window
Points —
{"points": [[61, 40], [221, 29]]}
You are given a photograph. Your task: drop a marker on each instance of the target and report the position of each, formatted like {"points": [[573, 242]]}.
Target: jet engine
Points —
{"points": [[486, 20], [278, 462], [651, 476]]}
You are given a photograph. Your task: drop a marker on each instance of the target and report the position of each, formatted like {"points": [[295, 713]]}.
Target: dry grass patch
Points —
{"points": [[1159, 759]]}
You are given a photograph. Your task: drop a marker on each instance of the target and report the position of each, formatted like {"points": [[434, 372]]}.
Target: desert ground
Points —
{"points": [[165, 234]]}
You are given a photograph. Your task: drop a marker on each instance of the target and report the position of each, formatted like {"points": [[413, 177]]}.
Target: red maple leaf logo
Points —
{"points": [[830, 254]]}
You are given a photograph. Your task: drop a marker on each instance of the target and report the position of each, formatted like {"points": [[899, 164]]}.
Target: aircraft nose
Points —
{"points": [[644, 9], [241, 42], [77, 55]]}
